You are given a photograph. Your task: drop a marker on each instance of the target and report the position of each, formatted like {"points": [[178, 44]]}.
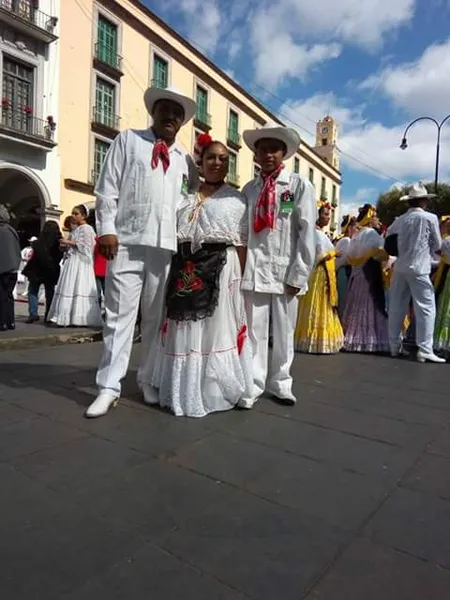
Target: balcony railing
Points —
{"points": [[202, 120], [233, 179], [108, 56], [107, 118], [25, 15], [159, 83], [21, 122], [234, 139]]}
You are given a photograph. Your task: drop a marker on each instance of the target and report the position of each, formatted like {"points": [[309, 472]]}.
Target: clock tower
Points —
{"points": [[326, 141]]}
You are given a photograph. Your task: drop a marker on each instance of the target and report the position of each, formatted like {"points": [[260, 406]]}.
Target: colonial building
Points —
{"points": [[111, 51], [29, 112]]}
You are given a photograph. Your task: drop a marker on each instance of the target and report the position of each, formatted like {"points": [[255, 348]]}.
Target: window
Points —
{"points": [[202, 102], [233, 128], [100, 150], [105, 103], [323, 188], [296, 165], [107, 42], [324, 141], [232, 168], [160, 72], [17, 95], [334, 195], [256, 170], [311, 175]]}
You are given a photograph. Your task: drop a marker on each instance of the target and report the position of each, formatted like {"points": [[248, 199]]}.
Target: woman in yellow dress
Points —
{"points": [[319, 329]]}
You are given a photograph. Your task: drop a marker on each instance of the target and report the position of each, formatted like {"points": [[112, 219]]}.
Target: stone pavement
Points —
{"points": [[344, 497]]}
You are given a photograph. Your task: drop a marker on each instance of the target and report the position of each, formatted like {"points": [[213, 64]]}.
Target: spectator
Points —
{"points": [[9, 264], [43, 268]]}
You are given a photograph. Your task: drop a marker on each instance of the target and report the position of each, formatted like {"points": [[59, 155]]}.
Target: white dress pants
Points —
{"points": [[419, 287], [138, 274], [275, 377]]}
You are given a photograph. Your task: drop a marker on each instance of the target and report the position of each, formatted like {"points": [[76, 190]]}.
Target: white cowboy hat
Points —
{"points": [[153, 94], [415, 191], [33, 238], [288, 136]]}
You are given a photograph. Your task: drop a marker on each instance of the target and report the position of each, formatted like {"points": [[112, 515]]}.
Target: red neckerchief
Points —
{"points": [[266, 203], [160, 151]]}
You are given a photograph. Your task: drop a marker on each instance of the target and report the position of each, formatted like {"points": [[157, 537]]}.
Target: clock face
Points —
{"points": [[324, 130]]}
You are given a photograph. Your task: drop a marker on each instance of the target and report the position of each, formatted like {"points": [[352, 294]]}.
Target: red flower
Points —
{"points": [[179, 285], [28, 110], [5, 102], [204, 140], [197, 284], [189, 267]]}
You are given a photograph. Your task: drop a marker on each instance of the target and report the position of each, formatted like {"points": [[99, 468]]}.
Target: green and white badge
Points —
{"points": [[184, 185], [287, 202]]}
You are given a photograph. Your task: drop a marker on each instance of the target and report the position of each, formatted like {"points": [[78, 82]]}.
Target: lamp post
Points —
{"points": [[439, 126]]}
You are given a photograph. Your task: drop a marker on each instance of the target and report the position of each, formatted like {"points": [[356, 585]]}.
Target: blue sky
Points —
{"points": [[373, 64]]}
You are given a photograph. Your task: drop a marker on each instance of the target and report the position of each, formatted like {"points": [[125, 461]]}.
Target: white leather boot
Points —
{"points": [[101, 405]]}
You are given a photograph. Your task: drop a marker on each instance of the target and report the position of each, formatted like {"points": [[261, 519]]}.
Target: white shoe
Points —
{"points": [[286, 397], [422, 357], [150, 394], [246, 402], [101, 405]]}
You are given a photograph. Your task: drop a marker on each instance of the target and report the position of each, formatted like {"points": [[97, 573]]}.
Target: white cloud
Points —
{"points": [[366, 144], [351, 205], [203, 21], [420, 87]]}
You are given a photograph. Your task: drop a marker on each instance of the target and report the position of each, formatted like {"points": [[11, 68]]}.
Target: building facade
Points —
{"points": [[29, 112], [110, 52]]}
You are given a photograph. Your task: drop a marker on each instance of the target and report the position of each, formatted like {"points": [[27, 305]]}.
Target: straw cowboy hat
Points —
{"points": [[289, 137], [153, 94], [415, 191]]}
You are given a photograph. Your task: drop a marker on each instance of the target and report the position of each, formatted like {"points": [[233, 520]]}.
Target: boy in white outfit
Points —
{"points": [[418, 241], [144, 179], [280, 257]]}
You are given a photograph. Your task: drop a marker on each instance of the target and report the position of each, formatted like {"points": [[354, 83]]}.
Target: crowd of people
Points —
{"points": [[215, 275]]}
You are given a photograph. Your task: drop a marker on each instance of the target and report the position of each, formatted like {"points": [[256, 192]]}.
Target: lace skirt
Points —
{"points": [[205, 365]]}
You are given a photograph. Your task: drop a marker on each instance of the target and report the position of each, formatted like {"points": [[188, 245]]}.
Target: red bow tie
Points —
{"points": [[161, 152]]}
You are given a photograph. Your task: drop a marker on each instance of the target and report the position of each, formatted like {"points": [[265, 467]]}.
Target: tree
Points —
{"points": [[389, 205]]}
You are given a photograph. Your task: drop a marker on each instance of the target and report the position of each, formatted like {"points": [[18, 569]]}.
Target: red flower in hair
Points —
{"points": [[204, 140]]}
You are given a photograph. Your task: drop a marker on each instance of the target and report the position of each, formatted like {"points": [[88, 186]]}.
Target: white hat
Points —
{"points": [[153, 94], [417, 190], [33, 238], [288, 136]]}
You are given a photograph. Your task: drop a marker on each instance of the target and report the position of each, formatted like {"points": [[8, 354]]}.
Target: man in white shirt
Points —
{"points": [[145, 177], [280, 257], [418, 239]]}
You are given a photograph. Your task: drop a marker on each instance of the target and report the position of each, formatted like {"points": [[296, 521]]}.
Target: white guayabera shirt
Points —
{"points": [[418, 239], [138, 203], [286, 254]]}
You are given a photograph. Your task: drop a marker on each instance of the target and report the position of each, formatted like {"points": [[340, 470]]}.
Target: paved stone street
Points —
{"points": [[344, 497]]}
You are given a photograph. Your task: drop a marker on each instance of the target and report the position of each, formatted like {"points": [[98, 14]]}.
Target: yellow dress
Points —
{"points": [[319, 330]]}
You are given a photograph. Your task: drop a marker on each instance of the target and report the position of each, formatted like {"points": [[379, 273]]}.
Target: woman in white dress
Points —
{"points": [[75, 302], [349, 227], [204, 363]]}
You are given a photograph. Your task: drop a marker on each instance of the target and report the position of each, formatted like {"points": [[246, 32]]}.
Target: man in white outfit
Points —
{"points": [[280, 257], [418, 240], [145, 177]]}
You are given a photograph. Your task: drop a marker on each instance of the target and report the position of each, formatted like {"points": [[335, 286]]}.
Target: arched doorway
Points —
{"points": [[26, 197]]}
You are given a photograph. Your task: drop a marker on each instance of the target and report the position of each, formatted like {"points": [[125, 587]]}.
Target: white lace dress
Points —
{"points": [[205, 365], [75, 301]]}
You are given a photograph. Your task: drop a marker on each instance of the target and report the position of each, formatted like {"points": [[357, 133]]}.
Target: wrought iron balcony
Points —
{"points": [[105, 119], [233, 179], [22, 125], [159, 83], [25, 16], [108, 57], [202, 120], [234, 139]]}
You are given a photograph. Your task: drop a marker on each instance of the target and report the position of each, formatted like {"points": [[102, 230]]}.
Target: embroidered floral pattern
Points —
{"points": [[287, 196], [189, 280]]}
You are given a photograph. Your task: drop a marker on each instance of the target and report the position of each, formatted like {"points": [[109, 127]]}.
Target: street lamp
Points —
{"points": [[439, 126]]}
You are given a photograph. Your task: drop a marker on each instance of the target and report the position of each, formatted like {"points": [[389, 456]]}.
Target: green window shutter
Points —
{"points": [[107, 41], [160, 72]]}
